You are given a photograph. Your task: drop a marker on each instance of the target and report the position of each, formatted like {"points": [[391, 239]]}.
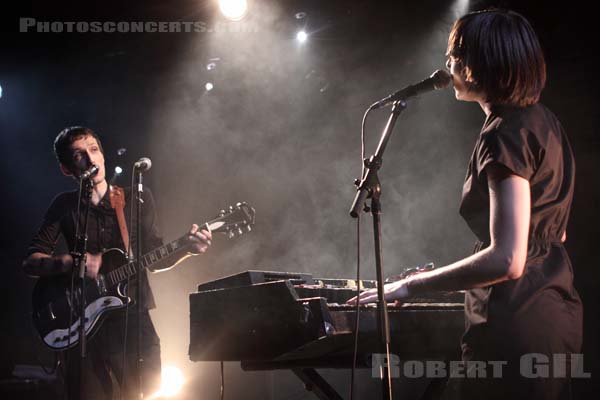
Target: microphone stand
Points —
{"points": [[138, 250], [80, 258], [370, 187]]}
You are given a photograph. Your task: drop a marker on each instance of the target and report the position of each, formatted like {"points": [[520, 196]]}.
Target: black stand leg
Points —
{"points": [[315, 383], [435, 389], [140, 287]]}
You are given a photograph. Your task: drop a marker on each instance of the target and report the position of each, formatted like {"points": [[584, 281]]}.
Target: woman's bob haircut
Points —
{"points": [[500, 55]]}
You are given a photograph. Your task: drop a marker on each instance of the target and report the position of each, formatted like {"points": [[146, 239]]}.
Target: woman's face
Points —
{"points": [[463, 90]]}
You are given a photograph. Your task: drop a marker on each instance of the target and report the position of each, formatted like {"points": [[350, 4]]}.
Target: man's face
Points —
{"points": [[85, 151]]}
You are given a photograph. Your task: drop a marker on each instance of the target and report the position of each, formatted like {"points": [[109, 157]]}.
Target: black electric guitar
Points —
{"points": [[56, 310]]}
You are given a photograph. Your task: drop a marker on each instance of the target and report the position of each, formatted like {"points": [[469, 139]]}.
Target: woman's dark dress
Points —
{"points": [[540, 312]]}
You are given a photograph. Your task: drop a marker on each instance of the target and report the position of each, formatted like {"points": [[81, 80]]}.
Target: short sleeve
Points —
{"points": [[510, 148], [47, 235]]}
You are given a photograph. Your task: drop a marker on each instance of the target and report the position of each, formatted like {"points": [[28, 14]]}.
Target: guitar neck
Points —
{"points": [[230, 222], [149, 259]]}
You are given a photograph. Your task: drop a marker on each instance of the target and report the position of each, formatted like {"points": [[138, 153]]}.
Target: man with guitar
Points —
{"points": [[110, 357]]}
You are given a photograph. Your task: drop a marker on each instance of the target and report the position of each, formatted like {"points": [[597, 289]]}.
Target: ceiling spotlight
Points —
{"points": [[301, 36], [121, 151], [300, 15], [233, 10], [212, 63], [460, 8], [209, 86], [116, 175]]}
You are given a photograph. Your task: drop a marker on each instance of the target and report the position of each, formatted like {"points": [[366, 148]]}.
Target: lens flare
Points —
{"points": [[172, 381]]}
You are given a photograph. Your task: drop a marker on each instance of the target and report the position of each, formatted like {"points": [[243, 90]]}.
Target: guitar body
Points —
{"points": [[56, 306], [56, 310]]}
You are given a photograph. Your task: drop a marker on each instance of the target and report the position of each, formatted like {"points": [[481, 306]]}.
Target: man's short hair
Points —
{"points": [[501, 55], [67, 136]]}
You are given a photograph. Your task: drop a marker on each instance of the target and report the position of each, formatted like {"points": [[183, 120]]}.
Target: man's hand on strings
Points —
{"points": [[200, 239], [93, 264]]}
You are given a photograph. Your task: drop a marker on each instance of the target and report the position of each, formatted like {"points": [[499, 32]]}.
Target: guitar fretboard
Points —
{"points": [[130, 269], [242, 217]]}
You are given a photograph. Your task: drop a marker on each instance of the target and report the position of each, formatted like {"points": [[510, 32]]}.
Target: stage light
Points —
{"points": [[212, 63], [172, 381], [209, 86], [460, 8], [233, 10], [117, 174], [0, 92], [301, 36]]}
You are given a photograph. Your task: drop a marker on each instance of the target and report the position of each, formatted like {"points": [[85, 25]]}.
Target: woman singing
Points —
{"points": [[520, 301]]}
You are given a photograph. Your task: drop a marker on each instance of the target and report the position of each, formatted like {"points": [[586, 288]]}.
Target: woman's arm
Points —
{"points": [[502, 260]]}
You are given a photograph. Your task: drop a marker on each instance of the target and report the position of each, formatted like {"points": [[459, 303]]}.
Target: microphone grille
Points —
{"points": [[143, 163], [441, 79]]}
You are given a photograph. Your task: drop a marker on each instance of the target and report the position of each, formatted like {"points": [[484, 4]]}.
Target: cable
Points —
{"points": [[362, 142], [357, 310], [73, 269], [54, 369]]}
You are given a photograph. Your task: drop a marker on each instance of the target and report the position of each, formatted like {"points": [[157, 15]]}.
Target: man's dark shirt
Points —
{"points": [[103, 230]]}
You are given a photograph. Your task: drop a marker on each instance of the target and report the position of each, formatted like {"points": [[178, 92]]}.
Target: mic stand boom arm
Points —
{"points": [[369, 187]]}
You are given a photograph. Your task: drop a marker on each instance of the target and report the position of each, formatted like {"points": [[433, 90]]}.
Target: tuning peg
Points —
{"points": [[248, 228], [240, 231], [230, 234], [239, 205], [221, 213]]}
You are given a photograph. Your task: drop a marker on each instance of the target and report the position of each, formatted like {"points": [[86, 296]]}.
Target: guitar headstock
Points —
{"points": [[234, 221]]}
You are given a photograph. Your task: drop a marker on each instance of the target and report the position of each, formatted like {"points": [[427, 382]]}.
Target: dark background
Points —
{"points": [[281, 131]]}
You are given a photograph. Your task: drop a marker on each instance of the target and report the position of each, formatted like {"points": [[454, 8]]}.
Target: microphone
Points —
{"points": [[440, 79], [143, 164], [90, 173]]}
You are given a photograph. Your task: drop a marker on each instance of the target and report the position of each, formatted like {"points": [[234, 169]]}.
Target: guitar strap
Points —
{"points": [[117, 201]]}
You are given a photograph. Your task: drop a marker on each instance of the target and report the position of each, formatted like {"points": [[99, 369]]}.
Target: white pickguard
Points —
{"points": [[59, 338]]}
